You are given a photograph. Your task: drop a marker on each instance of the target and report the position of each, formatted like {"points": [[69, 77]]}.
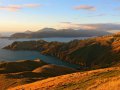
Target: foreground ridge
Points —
{"points": [[102, 79]]}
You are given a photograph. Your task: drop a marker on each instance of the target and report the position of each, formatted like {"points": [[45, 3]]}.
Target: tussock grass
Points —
{"points": [[102, 79]]}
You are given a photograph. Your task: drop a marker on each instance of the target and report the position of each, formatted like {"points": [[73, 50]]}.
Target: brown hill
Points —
{"points": [[102, 79], [20, 66], [26, 71], [53, 70], [91, 53]]}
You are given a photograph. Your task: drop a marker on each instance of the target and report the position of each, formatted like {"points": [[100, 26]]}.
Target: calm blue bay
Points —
{"points": [[8, 55]]}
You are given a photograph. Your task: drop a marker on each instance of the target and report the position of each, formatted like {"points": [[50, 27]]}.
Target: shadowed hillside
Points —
{"points": [[26, 71], [102, 79], [91, 53]]}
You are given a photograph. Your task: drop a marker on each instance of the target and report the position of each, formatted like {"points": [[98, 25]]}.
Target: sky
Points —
{"points": [[22, 15]]}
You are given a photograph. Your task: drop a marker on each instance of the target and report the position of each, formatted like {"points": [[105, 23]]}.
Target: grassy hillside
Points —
{"points": [[26, 71], [91, 53], [102, 79]]}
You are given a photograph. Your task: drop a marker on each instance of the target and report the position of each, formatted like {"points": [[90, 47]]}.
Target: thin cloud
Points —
{"points": [[85, 7], [76, 26], [18, 7], [104, 27], [32, 5], [98, 15]]}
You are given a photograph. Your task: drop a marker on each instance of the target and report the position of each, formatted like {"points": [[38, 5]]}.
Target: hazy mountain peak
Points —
{"points": [[28, 32], [67, 29], [47, 29]]}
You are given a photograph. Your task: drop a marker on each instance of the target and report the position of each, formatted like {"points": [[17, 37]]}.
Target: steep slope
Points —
{"points": [[91, 53], [102, 79], [26, 71]]}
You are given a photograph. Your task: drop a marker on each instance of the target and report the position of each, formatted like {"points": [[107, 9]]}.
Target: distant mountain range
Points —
{"points": [[0, 35], [6, 34], [51, 32]]}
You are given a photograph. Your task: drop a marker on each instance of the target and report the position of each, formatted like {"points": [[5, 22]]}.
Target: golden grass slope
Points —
{"points": [[102, 79], [28, 71]]}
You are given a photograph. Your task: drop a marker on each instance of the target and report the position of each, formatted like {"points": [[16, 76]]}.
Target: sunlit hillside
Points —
{"points": [[102, 79]]}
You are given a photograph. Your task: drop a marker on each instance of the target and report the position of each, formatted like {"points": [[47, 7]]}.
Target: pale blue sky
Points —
{"points": [[21, 15]]}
